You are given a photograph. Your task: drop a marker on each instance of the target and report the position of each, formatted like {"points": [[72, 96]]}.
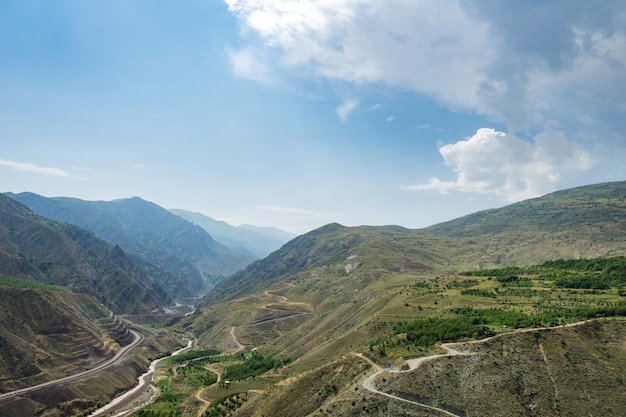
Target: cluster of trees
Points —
{"points": [[197, 375], [550, 316], [478, 323], [594, 274], [191, 355], [477, 292], [514, 281], [223, 405], [426, 332], [498, 317], [510, 271], [254, 365]]}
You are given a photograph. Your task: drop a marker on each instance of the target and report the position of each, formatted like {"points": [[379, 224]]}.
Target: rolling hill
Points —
{"points": [[339, 290], [149, 232]]}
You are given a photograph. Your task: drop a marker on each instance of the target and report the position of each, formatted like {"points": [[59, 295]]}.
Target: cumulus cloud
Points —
{"points": [[345, 108], [512, 62], [504, 165], [422, 45], [27, 167]]}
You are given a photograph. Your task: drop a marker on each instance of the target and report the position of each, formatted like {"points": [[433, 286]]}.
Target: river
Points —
{"points": [[128, 402]]}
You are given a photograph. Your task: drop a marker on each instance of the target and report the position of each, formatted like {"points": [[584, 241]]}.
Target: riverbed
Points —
{"points": [[140, 396]]}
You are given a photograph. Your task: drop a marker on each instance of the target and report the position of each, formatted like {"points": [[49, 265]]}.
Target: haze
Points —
{"points": [[295, 114]]}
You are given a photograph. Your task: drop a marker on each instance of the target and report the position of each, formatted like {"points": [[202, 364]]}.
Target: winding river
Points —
{"points": [[128, 397]]}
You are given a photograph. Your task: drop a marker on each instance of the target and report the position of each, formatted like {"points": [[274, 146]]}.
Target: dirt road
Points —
{"points": [[369, 384], [138, 338]]}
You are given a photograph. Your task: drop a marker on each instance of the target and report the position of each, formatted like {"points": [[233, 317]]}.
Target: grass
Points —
{"points": [[14, 282]]}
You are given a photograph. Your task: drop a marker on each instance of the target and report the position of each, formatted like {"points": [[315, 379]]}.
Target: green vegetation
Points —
{"points": [[552, 316], [197, 375], [595, 274], [223, 405], [478, 323], [466, 283], [191, 355], [427, 332], [13, 282], [518, 297], [479, 293], [254, 365], [165, 406]]}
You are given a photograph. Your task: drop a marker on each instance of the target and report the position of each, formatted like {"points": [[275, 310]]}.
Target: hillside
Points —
{"points": [[392, 294], [581, 222], [46, 334], [43, 250], [334, 250], [349, 272], [149, 232], [258, 242]]}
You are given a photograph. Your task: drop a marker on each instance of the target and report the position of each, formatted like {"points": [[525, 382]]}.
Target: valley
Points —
{"points": [[515, 311]]}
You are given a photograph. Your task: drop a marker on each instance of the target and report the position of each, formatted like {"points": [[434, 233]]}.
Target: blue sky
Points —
{"points": [[294, 114]]}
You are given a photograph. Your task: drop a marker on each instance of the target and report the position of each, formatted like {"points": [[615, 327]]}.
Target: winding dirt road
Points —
{"points": [[240, 347], [114, 360], [205, 403], [369, 384]]}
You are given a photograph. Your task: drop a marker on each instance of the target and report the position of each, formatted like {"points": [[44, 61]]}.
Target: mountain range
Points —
{"points": [[337, 290], [246, 239], [149, 232], [341, 303], [43, 250]]}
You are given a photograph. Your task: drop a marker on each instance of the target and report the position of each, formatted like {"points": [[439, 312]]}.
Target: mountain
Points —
{"points": [[47, 332], [579, 222], [379, 291], [272, 232], [61, 254], [150, 232], [256, 241]]}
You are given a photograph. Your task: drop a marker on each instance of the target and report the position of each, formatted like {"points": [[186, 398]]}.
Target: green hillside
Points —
{"points": [[392, 294], [514, 311], [580, 222]]}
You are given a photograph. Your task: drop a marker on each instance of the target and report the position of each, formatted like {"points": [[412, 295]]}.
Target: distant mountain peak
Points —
{"points": [[259, 241]]}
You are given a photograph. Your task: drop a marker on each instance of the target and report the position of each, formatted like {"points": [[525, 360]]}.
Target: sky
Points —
{"points": [[294, 114]]}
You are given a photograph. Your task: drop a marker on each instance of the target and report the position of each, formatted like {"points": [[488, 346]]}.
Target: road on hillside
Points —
{"points": [[138, 338], [369, 384]]}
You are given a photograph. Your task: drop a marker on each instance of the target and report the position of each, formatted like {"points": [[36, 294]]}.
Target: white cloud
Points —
{"points": [[345, 108], [422, 45], [390, 118], [513, 62], [503, 165], [250, 63], [27, 167]]}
